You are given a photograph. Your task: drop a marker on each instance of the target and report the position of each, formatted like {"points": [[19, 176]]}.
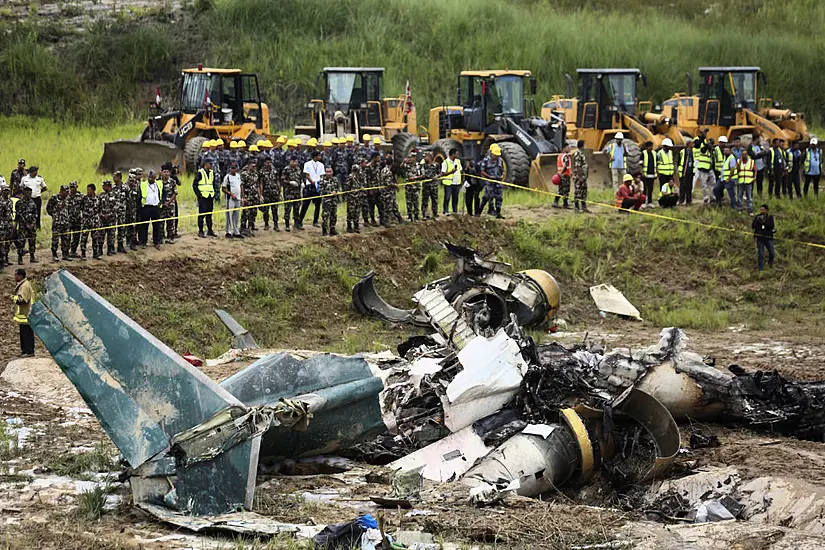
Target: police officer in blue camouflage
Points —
{"points": [[492, 168]]}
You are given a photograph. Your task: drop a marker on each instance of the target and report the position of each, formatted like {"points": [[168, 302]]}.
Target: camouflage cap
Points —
{"points": [[73, 184], [138, 171], [107, 182], [21, 161], [117, 173], [132, 171], [33, 168], [64, 188]]}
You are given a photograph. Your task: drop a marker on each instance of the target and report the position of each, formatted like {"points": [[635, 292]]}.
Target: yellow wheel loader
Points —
{"points": [[212, 103], [728, 105], [607, 105], [353, 104], [492, 107]]}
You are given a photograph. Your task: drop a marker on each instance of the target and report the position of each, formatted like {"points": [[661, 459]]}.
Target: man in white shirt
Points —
{"points": [[452, 180], [150, 192], [313, 172], [233, 191], [34, 182]]}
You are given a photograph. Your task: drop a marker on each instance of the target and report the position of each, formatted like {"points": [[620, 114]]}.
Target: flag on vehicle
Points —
{"points": [[408, 104], [157, 97], [206, 101]]}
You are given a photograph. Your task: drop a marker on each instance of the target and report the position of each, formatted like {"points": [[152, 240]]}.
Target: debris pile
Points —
{"points": [[477, 402]]}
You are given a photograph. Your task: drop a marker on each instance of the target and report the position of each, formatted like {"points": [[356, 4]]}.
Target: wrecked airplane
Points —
{"points": [[482, 290], [485, 406]]}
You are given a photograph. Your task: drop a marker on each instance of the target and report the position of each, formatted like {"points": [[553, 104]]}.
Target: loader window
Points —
{"points": [[506, 96], [744, 88], [340, 87], [372, 88], [193, 91], [621, 91]]}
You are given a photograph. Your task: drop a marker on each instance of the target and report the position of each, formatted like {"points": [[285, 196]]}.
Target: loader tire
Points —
{"points": [[191, 152], [634, 157], [516, 163], [402, 144], [441, 148], [253, 138]]}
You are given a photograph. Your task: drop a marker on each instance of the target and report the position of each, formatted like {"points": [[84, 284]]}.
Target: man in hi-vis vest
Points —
{"points": [[205, 191]]}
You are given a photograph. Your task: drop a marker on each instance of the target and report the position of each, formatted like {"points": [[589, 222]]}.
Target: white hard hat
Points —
{"points": [[619, 135], [667, 142], [723, 139], [814, 141]]}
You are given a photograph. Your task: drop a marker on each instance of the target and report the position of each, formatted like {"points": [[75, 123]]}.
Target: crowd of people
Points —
{"points": [[717, 168], [247, 181]]}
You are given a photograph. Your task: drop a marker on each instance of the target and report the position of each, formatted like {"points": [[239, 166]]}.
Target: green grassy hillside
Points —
{"points": [[110, 70]]}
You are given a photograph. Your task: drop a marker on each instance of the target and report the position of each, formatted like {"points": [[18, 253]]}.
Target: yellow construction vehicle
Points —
{"points": [[353, 104], [212, 103], [728, 105], [492, 107], [607, 105]]}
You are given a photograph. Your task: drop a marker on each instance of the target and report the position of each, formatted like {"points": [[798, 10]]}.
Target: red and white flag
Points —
{"points": [[206, 102], [157, 97], [408, 107]]}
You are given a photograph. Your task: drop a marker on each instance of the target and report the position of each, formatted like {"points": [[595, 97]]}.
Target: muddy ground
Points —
{"points": [[41, 482]]}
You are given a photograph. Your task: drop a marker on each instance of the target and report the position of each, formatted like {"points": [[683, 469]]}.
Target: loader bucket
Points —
{"points": [[124, 154], [543, 168]]}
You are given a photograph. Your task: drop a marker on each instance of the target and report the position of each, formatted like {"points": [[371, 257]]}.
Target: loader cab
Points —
{"points": [[604, 94], [489, 96], [723, 91], [355, 89], [233, 97]]}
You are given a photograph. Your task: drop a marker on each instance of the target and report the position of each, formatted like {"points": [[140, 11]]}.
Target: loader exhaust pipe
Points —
{"points": [[569, 85]]}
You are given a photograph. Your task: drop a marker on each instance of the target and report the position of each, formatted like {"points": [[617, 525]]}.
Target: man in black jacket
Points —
{"points": [[763, 230]]}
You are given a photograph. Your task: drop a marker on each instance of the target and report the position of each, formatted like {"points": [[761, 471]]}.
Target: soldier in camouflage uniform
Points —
{"points": [[26, 222], [492, 168], [108, 218], [389, 195], [580, 172], [412, 189], [291, 178], [429, 193], [373, 195], [90, 213], [6, 224], [169, 200], [75, 199], [271, 191], [120, 191], [132, 185], [17, 176], [352, 184], [252, 198], [58, 209], [329, 185]]}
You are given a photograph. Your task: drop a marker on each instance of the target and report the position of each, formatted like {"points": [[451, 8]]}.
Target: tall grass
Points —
{"points": [[111, 69]]}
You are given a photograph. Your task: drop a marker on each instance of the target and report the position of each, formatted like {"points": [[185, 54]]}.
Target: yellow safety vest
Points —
{"points": [[726, 171], [448, 180], [646, 171], [718, 157], [666, 188], [612, 148], [14, 208], [205, 186], [808, 156], [701, 158], [665, 163], [144, 190], [747, 172]]}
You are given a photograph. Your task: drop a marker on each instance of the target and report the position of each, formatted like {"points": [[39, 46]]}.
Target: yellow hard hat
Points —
{"points": [[281, 140], [627, 177], [253, 148], [377, 141], [335, 141], [233, 144], [365, 137], [495, 149], [207, 143], [312, 142], [327, 144], [292, 143], [242, 144], [351, 139]]}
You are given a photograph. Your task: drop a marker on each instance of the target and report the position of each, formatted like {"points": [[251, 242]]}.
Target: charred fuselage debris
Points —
{"points": [[483, 291]]}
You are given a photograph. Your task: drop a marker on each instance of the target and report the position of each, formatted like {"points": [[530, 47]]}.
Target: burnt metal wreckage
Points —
{"points": [[495, 410]]}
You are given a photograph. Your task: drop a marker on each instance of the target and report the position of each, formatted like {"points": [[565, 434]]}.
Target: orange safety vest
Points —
{"points": [[563, 165]]}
